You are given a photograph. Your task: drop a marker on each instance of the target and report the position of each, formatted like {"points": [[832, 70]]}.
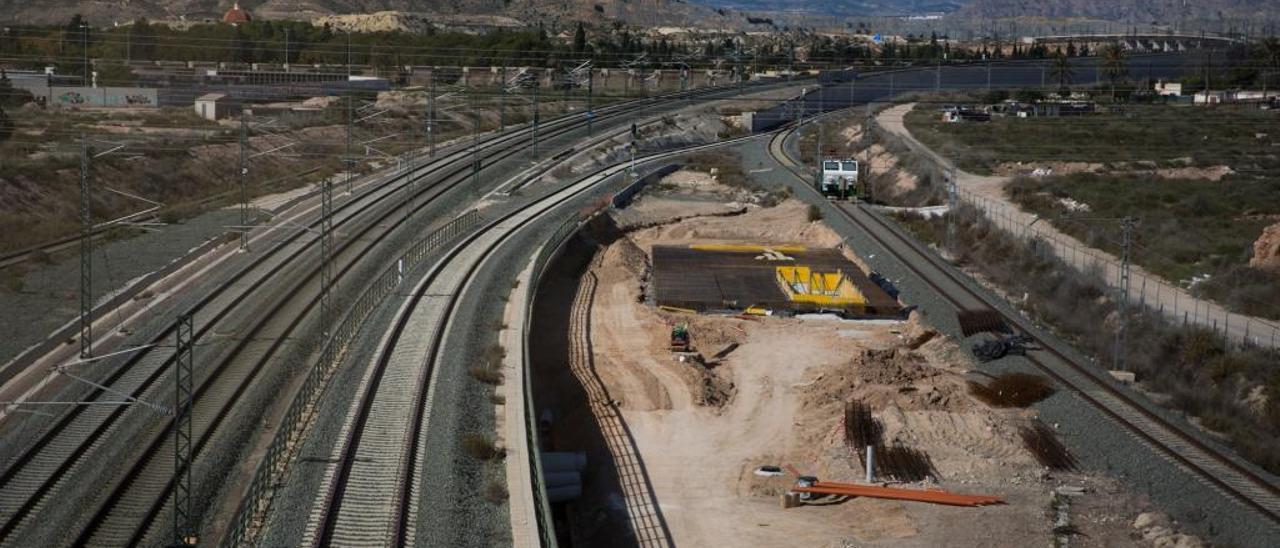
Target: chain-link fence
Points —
{"points": [[1169, 300]]}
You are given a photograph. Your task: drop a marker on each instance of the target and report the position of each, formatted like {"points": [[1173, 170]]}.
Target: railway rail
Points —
{"points": [[31, 482], [1209, 465], [363, 500]]}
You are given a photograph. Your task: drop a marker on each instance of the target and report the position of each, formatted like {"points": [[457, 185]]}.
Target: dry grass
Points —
{"points": [[482, 447], [487, 372], [495, 491]]}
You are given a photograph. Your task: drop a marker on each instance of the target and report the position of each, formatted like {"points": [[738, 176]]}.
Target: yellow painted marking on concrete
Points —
{"points": [[805, 285], [745, 248]]}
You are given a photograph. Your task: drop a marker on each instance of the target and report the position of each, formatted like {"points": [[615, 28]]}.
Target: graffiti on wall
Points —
{"points": [[104, 97], [72, 98]]}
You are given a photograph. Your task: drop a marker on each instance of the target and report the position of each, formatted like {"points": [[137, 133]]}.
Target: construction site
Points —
{"points": [[725, 372]]}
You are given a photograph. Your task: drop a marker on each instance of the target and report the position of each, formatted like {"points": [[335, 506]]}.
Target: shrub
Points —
{"points": [[814, 213], [487, 372], [482, 447], [495, 491]]}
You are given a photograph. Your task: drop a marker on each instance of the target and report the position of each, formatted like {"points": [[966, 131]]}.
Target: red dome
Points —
{"points": [[236, 15]]}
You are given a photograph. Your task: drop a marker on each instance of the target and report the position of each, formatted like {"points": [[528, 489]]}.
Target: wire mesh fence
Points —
{"points": [[1171, 301]]}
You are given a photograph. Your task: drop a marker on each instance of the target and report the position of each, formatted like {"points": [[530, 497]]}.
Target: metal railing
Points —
{"points": [[257, 500], [549, 251]]}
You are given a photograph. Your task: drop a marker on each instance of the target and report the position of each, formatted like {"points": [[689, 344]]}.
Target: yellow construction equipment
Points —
{"points": [[802, 284]]}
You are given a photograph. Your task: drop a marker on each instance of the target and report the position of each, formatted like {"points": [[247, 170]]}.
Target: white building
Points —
{"points": [[1168, 89], [214, 106]]}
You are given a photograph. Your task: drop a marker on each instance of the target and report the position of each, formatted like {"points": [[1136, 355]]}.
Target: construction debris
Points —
{"points": [[1012, 390], [1047, 449], [680, 338], [861, 429], [854, 490], [973, 322], [994, 349]]}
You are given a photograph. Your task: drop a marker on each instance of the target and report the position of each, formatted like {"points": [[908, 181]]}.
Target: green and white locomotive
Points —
{"points": [[839, 179]]}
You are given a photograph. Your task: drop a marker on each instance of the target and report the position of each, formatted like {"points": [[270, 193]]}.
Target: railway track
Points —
{"points": [[31, 483], [57, 245], [141, 496], [364, 498], [1209, 465]]}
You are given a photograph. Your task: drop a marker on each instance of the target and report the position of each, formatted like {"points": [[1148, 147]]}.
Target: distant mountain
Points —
{"points": [[841, 7], [1137, 11], [703, 13], [639, 12]]}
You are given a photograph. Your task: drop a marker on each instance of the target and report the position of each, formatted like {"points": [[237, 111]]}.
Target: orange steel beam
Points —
{"points": [[935, 497]]}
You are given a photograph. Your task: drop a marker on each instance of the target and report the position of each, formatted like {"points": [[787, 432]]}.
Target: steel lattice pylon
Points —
{"points": [[244, 183], [184, 533], [326, 272], [1126, 225], [86, 255]]}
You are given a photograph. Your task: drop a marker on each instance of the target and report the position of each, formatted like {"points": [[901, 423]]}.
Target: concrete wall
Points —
{"points": [[605, 81], [65, 96]]}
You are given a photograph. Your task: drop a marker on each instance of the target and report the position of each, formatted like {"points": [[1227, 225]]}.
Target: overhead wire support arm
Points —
{"points": [[128, 400]]}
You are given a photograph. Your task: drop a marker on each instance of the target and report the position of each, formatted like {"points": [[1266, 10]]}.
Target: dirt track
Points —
{"points": [[697, 434]]}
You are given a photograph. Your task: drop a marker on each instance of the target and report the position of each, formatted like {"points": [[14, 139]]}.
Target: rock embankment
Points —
{"points": [[1266, 250]]}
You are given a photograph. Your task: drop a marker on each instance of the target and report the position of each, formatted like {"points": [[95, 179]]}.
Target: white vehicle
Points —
{"points": [[839, 179]]}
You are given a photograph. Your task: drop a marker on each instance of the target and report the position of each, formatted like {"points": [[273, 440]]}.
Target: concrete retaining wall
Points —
{"points": [[65, 96]]}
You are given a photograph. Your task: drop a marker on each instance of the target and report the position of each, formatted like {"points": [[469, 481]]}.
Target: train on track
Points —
{"points": [[839, 180]]}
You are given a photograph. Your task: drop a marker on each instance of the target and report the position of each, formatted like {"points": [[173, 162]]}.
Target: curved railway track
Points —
{"points": [[363, 499], [1210, 465], [30, 481]]}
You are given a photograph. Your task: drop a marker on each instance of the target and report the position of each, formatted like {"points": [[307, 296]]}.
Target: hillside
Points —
{"points": [[638, 12], [840, 7], [1137, 11]]}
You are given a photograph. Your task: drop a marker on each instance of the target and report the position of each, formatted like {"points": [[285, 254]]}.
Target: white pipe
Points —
{"points": [[871, 457]]}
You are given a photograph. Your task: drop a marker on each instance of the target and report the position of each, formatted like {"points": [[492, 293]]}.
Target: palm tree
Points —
{"points": [[1062, 71], [1114, 65]]}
